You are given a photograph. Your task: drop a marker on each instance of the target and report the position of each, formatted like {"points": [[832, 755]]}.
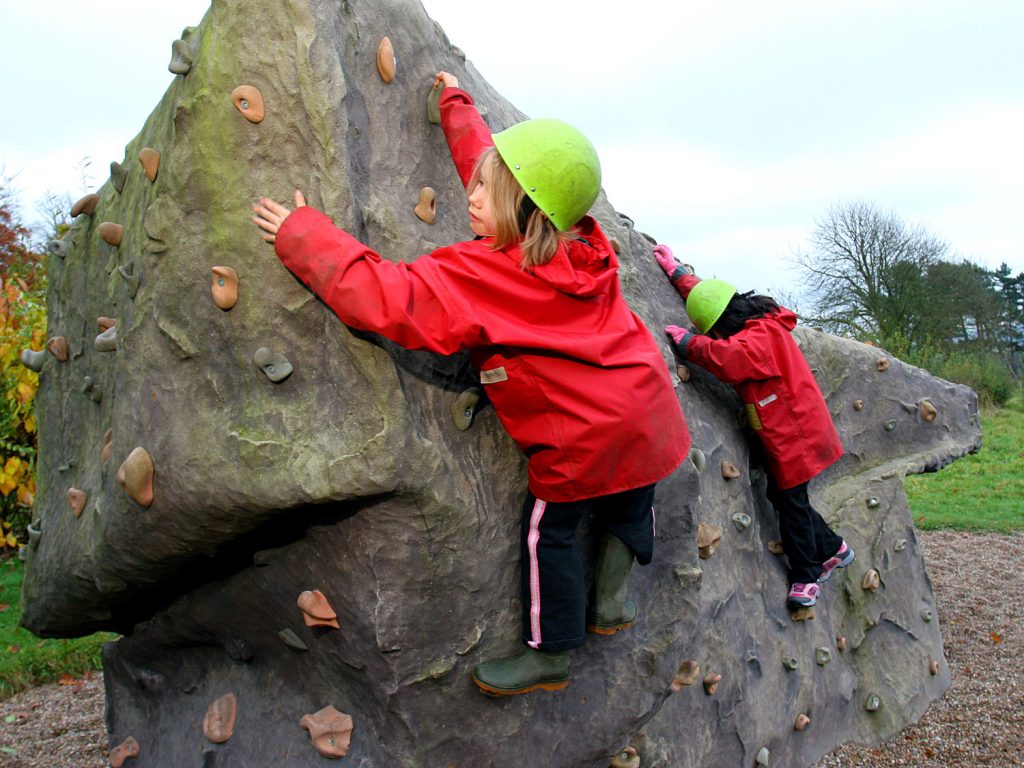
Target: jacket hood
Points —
{"points": [[786, 318], [586, 266]]}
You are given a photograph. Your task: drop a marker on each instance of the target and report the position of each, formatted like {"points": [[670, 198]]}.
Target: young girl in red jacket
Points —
{"points": [[575, 377], [747, 343]]}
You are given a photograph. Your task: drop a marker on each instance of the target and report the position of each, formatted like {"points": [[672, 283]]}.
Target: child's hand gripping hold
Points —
{"points": [[680, 338], [669, 264], [270, 215]]}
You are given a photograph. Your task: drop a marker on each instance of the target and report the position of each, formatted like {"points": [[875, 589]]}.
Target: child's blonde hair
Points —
{"points": [[537, 237]]}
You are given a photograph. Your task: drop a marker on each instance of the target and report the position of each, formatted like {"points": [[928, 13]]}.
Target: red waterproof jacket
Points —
{"points": [[783, 401], [573, 374]]}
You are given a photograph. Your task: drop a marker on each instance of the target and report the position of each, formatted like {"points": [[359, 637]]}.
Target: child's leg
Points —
{"points": [[554, 601], [629, 516], [806, 537]]}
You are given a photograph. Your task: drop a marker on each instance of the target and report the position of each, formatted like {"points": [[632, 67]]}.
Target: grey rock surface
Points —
{"points": [[350, 476]]}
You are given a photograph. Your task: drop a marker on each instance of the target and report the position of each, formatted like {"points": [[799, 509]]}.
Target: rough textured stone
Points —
{"points": [[351, 475]]}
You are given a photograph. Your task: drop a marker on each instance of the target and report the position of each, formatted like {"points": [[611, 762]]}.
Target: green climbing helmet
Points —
{"points": [[555, 165], [707, 301]]}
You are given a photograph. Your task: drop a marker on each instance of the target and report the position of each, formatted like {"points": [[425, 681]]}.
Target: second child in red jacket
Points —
{"points": [[746, 341], [575, 377]]}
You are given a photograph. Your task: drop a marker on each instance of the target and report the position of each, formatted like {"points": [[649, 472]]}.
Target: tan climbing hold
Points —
{"points": [[108, 443], [687, 674], [150, 160], [872, 581], [858, 405], [841, 643], [249, 101], [711, 681], [330, 730], [105, 323], [933, 667], [465, 408], [111, 233], [58, 347], [224, 287], [136, 476], [708, 538], [775, 547], [802, 614], [316, 611], [683, 372], [883, 363], [127, 748], [627, 758], [85, 205], [77, 499], [426, 208], [928, 411], [802, 721], [386, 62], [219, 722], [729, 470]]}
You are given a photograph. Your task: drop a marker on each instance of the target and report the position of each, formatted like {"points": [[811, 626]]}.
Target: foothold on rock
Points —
{"points": [[802, 614], [58, 347], [275, 365], [927, 615], [872, 502], [108, 443], [181, 58], [224, 287], [802, 721], [822, 656], [92, 389], [219, 722], [741, 520], [790, 663], [698, 459], [426, 207], [249, 101], [711, 681], [149, 158], [858, 405], [928, 411], [464, 409], [708, 538], [85, 205], [627, 758], [687, 674], [729, 470], [890, 425], [33, 359], [131, 280], [434, 104], [136, 476], [330, 730], [883, 363], [775, 547], [316, 611], [292, 640], [77, 499], [386, 62], [111, 233], [58, 248], [763, 755], [841, 643], [872, 702], [872, 581], [933, 666], [107, 341], [127, 748], [900, 545], [118, 176], [683, 373]]}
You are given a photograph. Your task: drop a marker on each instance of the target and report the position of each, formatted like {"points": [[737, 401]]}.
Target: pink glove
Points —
{"points": [[680, 338], [665, 258]]}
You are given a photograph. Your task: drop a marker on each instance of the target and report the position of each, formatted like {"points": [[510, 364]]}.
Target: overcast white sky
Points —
{"points": [[725, 129]]}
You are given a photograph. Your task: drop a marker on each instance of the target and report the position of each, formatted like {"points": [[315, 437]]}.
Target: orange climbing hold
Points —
{"points": [[386, 62], [106, 323], [108, 442], [127, 748], [111, 233], [708, 538], [802, 721], [225, 287], [85, 205], [330, 730], [58, 347], [77, 499], [627, 758], [711, 681], [249, 101], [136, 476], [426, 208], [883, 363], [687, 674], [150, 160], [316, 611], [683, 372], [219, 722], [729, 470]]}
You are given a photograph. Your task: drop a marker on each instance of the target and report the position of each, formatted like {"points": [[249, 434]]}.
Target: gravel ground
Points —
{"points": [[980, 722]]}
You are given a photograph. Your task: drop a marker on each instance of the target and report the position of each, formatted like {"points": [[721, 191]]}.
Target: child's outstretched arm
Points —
{"points": [[679, 274], [466, 132]]}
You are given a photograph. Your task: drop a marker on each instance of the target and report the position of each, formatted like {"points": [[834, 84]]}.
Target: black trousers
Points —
{"points": [[806, 537], [554, 598]]}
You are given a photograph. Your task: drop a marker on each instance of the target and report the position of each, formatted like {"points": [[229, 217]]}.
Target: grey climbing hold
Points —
{"points": [[181, 58], [274, 364], [741, 520], [91, 389], [292, 640], [872, 702], [698, 459], [822, 656], [689, 575], [57, 248], [107, 341], [890, 425], [927, 615], [465, 408], [790, 663], [33, 359], [762, 756], [131, 280], [433, 104], [872, 502], [900, 545], [35, 533], [118, 176]]}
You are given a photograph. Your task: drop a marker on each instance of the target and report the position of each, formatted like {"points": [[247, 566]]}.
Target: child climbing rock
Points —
{"points": [[747, 343], [573, 374]]}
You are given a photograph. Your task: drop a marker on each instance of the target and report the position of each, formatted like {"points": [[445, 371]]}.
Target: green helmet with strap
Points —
{"points": [[555, 165], [707, 301]]}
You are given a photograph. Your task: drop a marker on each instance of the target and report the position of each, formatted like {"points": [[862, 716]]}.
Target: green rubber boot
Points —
{"points": [[522, 673], [611, 611]]}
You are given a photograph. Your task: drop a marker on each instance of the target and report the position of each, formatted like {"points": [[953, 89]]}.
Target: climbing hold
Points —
{"points": [[127, 748], [292, 640], [127, 272], [111, 233], [802, 614], [627, 758], [872, 581], [698, 459], [105, 323], [687, 674], [802, 721], [35, 532], [150, 160], [841, 643], [763, 756], [136, 476], [77, 499], [107, 341], [711, 681], [822, 656], [465, 408], [872, 702], [108, 442], [790, 663], [890, 425], [275, 365], [858, 405], [316, 611], [933, 666], [775, 547], [616, 245], [708, 538], [729, 470], [900, 545], [58, 347], [181, 58], [33, 359], [219, 722], [688, 575], [872, 502], [57, 248], [249, 101], [330, 730], [434, 104], [85, 205], [741, 520], [883, 363], [118, 176], [225, 287], [386, 62], [92, 389], [683, 373], [426, 207], [928, 411], [927, 615]]}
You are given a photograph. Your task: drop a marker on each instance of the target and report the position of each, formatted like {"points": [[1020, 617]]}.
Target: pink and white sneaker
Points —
{"points": [[803, 595], [840, 559]]}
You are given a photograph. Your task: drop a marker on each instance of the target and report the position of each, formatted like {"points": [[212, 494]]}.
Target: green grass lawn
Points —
{"points": [[25, 660], [983, 492]]}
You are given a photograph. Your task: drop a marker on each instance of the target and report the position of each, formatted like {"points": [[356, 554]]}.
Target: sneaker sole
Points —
{"points": [[845, 562], [597, 629], [793, 605], [552, 685]]}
